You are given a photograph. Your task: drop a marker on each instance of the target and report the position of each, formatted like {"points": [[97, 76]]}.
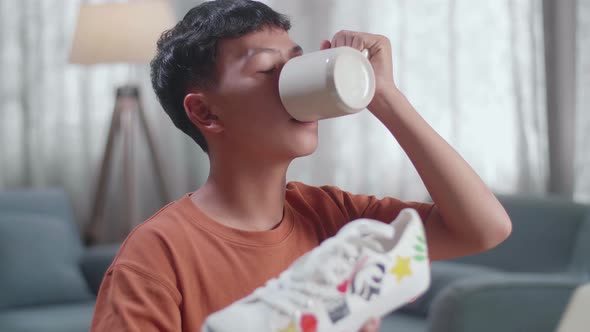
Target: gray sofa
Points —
{"points": [[48, 280], [521, 285]]}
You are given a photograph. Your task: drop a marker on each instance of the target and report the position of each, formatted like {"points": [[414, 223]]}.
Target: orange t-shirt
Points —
{"points": [[180, 266]]}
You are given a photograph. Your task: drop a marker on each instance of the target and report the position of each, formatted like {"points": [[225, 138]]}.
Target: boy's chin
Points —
{"points": [[305, 149], [304, 154]]}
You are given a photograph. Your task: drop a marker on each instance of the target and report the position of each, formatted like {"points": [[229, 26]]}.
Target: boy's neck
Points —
{"points": [[247, 196]]}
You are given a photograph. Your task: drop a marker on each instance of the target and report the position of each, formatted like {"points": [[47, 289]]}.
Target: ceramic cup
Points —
{"points": [[327, 84]]}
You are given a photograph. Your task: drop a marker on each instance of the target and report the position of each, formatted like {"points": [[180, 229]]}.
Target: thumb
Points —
{"points": [[325, 44]]}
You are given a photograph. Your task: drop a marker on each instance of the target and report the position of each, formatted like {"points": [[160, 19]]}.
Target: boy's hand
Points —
{"points": [[379, 49], [371, 326]]}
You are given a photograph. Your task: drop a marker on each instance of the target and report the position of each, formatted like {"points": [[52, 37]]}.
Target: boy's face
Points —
{"points": [[246, 98]]}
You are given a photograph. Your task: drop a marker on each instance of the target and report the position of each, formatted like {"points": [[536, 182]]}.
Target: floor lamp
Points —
{"points": [[121, 33]]}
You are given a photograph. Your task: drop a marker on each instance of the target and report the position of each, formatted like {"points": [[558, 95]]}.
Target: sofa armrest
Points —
{"points": [[506, 302], [94, 263]]}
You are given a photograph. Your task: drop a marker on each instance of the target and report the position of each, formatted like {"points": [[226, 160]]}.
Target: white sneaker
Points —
{"points": [[367, 270]]}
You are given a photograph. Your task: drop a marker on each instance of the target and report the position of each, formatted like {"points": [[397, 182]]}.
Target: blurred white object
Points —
{"points": [[576, 317], [326, 84], [120, 32], [368, 269]]}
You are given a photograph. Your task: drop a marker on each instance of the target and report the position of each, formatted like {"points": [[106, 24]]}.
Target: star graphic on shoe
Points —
{"points": [[402, 268]]}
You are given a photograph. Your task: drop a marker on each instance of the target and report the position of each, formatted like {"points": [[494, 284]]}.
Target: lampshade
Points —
{"points": [[120, 32]]}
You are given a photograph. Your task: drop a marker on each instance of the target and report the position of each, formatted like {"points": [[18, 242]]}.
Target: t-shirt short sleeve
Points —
{"points": [[383, 209], [325, 200], [139, 290], [133, 300]]}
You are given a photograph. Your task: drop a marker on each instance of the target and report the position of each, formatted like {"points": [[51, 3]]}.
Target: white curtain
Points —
{"points": [[473, 69], [54, 117], [582, 149]]}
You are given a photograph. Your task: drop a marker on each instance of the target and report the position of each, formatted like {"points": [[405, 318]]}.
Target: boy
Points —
{"points": [[216, 75]]}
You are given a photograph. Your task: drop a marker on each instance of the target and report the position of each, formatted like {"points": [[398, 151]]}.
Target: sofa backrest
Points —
{"points": [[40, 249], [581, 256], [51, 202], [545, 235]]}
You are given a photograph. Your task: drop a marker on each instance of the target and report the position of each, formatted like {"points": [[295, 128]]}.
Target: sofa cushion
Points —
{"points": [[406, 323], [95, 262], [580, 258], [543, 238], [443, 274], [48, 202], [39, 257], [55, 318]]}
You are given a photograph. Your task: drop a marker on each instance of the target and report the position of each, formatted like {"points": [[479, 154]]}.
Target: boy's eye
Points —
{"points": [[270, 71]]}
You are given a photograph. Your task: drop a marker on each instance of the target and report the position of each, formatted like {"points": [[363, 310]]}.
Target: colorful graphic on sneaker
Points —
{"points": [[337, 309], [343, 286], [402, 268], [309, 323], [421, 249], [367, 281], [290, 328]]}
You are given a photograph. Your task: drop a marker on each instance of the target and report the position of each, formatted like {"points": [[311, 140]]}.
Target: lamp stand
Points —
{"points": [[128, 108]]}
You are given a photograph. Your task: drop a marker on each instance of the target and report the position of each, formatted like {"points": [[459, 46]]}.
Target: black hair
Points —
{"points": [[186, 54]]}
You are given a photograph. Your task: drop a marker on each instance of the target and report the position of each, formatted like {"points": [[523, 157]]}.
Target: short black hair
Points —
{"points": [[186, 54]]}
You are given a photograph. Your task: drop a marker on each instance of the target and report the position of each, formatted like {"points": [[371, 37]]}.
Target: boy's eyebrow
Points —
{"points": [[294, 50]]}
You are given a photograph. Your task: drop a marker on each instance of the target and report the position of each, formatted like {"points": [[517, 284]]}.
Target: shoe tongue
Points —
{"points": [[363, 232], [370, 242], [307, 266], [366, 233]]}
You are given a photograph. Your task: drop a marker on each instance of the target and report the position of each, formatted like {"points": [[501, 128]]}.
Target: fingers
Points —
{"points": [[338, 40], [348, 39], [325, 45], [357, 43], [357, 40], [371, 326]]}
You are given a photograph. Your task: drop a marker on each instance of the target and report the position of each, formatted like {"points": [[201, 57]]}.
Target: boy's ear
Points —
{"points": [[200, 114]]}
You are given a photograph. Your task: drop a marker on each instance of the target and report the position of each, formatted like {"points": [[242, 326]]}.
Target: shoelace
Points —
{"points": [[316, 275]]}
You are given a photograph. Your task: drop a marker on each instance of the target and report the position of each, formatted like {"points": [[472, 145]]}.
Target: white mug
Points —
{"points": [[326, 84]]}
